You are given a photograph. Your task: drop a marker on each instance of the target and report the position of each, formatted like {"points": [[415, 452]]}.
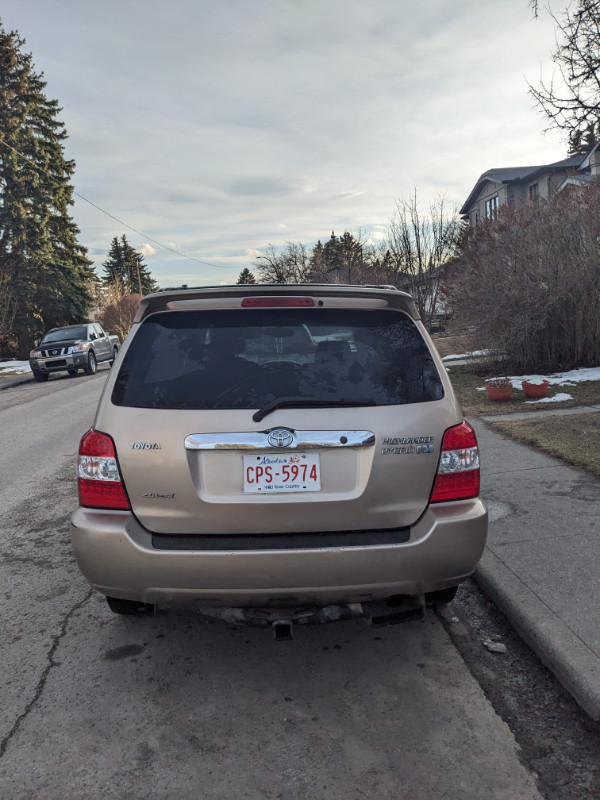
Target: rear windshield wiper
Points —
{"points": [[307, 402]]}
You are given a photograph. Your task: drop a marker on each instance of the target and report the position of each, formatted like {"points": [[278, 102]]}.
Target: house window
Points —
{"points": [[534, 192], [491, 207]]}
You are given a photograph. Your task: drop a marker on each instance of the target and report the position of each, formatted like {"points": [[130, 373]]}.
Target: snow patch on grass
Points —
{"points": [[558, 398], [14, 367], [570, 378], [473, 354]]}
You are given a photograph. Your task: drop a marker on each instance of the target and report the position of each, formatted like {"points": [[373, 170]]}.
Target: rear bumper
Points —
{"points": [[116, 556]]}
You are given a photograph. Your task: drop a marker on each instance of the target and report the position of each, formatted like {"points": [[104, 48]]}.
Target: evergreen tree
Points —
{"points": [[582, 141], [44, 270], [114, 266], [341, 257], [350, 258], [317, 261], [125, 268], [246, 277], [331, 253]]}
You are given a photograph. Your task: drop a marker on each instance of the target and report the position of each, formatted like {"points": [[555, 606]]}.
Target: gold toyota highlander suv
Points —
{"points": [[279, 454]]}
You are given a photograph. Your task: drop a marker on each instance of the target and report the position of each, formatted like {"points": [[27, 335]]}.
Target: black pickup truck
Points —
{"points": [[71, 349]]}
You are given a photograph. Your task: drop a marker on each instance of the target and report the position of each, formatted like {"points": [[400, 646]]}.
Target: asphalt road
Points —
{"points": [[96, 706]]}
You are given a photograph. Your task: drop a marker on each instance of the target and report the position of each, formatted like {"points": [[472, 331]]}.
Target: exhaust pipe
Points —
{"points": [[400, 608], [283, 630]]}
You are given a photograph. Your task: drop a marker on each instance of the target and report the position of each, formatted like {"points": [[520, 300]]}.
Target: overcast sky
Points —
{"points": [[217, 127]]}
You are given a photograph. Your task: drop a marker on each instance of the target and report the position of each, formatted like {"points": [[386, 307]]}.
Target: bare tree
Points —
{"points": [[419, 247], [412, 256], [572, 102], [119, 310], [290, 265]]}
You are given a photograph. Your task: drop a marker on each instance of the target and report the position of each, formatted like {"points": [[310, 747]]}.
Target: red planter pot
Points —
{"points": [[499, 394], [535, 391]]}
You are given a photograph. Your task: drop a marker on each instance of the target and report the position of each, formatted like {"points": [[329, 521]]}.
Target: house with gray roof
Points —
{"points": [[518, 185]]}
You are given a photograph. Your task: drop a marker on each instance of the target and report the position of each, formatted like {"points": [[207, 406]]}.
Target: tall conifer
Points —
{"points": [[46, 272], [246, 277], [125, 267]]}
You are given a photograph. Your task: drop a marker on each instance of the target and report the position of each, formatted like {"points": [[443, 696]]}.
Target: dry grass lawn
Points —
{"points": [[574, 439], [472, 402], [450, 345]]}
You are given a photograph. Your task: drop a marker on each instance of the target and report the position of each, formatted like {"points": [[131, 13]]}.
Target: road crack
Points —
{"points": [[44, 676]]}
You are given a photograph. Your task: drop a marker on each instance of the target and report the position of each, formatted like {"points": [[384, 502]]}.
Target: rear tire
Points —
{"points": [[128, 607], [92, 365], [40, 377], [114, 355]]}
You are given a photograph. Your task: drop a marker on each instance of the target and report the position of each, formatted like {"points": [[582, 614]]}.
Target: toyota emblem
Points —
{"points": [[280, 438]]}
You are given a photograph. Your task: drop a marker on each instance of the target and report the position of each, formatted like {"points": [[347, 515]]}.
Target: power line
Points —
{"points": [[112, 216]]}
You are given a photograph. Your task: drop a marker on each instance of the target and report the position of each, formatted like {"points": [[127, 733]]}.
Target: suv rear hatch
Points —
{"points": [[254, 412]]}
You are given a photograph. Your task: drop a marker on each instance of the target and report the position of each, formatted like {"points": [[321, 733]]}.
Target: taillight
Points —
{"points": [[98, 477], [458, 472], [277, 302]]}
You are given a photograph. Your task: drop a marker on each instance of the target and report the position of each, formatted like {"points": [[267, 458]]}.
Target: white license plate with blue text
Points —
{"points": [[286, 472]]}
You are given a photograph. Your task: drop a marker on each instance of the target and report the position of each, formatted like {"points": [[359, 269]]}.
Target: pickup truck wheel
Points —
{"points": [[114, 355], [40, 377], [91, 365], [128, 607]]}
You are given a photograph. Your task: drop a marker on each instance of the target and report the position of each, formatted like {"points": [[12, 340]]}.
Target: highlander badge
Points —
{"points": [[280, 438]]}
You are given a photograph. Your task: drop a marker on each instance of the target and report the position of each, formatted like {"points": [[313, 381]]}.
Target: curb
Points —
{"points": [[17, 380], [573, 663]]}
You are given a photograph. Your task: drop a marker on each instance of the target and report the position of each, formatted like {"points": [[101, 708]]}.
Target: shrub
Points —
{"points": [[117, 316], [529, 283]]}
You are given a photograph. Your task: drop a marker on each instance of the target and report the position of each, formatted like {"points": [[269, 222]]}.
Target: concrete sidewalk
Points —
{"points": [[541, 565]]}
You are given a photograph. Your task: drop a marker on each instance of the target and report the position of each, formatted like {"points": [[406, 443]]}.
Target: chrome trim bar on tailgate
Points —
{"points": [[259, 440]]}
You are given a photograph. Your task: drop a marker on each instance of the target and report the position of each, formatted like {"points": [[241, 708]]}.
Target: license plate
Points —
{"points": [[274, 474]]}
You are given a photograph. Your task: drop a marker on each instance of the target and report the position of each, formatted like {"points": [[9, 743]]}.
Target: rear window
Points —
{"points": [[249, 358]]}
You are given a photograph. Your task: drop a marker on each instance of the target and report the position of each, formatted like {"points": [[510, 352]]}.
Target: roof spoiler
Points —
{"points": [[160, 301]]}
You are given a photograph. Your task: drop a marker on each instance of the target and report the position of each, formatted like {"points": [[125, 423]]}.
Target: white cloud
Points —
{"points": [[147, 250]]}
